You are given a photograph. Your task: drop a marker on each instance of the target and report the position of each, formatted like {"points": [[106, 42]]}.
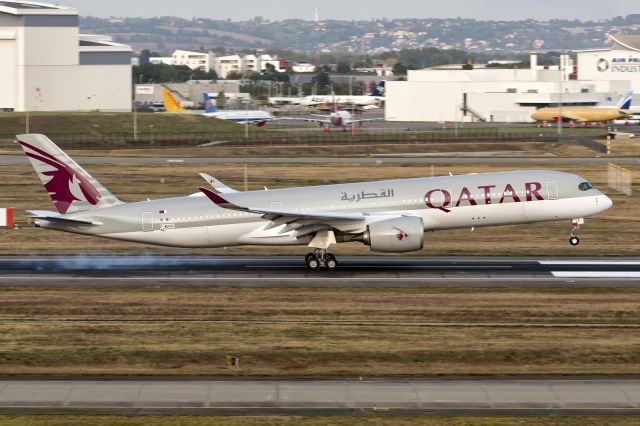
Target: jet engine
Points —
{"points": [[397, 235]]}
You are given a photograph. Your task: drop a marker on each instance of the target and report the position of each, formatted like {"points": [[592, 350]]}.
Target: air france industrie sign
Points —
{"points": [[629, 64]]}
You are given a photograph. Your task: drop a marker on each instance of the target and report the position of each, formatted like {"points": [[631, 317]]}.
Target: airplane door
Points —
{"points": [[552, 190], [147, 221]]}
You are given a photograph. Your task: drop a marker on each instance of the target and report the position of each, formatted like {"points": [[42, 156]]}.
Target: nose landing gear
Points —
{"points": [[321, 259], [575, 225]]}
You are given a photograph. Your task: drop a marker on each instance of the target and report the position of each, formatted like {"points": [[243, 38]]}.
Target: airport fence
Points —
{"points": [[258, 137]]}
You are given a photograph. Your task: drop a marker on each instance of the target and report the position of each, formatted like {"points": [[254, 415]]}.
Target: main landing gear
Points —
{"points": [[321, 259], [575, 225]]}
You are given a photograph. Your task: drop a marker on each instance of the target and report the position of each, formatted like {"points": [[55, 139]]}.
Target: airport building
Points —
{"points": [[189, 94], [47, 65], [222, 65], [499, 95], [621, 62]]}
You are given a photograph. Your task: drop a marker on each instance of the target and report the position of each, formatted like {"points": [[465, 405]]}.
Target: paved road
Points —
{"points": [[8, 160], [278, 271], [389, 396]]}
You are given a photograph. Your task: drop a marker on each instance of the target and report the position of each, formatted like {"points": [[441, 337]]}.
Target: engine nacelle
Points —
{"points": [[397, 235]]}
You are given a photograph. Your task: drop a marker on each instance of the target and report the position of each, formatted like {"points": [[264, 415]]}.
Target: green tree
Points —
{"points": [[144, 56], [400, 69], [322, 79], [204, 75], [234, 75], [221, 100], [343, 67]]}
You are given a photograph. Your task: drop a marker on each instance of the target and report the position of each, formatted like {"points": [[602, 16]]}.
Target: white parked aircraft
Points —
{"points": [[389, 216], [254, 117], [372, 100]]}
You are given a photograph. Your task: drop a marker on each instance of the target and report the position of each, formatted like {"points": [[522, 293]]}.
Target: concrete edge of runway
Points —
{"points": [[317, 378], [602, 395], [325, 411]]}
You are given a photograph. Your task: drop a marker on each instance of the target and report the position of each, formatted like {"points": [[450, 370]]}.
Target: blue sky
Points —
{"points": [[357, 9]]}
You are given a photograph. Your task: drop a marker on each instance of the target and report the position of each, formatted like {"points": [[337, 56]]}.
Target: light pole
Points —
{"points": [[135, 109], [560, 73], [246, 122]]}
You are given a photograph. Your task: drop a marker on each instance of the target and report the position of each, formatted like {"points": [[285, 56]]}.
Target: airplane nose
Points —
{"points": [[604, 202]]}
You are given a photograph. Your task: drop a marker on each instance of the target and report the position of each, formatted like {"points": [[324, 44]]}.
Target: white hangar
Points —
{"points": [[47, 65]]}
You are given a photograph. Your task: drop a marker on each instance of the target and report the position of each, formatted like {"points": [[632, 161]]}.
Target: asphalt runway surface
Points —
{"points": [[388, 396], [593, 395], [427, 159], [288, 271]]}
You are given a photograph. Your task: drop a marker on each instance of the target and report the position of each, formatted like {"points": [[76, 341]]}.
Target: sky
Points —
{"points": [[357, 9]]}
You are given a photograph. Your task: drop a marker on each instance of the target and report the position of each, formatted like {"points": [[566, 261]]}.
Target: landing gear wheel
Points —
{"points": [[574, 241], [312, 262], [331, 262]]}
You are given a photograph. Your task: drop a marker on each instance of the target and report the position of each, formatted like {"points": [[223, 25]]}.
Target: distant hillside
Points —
{"points": [[369, 37]]}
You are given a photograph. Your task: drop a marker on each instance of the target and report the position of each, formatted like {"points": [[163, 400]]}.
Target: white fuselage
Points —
{"points": [[341, 118], [241, 116], [442, 203], [362, 100]]}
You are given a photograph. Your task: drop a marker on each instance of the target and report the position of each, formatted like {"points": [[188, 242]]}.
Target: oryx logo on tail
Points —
{"points": [[65, 185]]}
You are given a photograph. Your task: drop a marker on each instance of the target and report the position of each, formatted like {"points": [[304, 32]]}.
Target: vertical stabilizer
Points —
{"points": [[209, 104], [379, 89], [625, 101], [170, 103], [70, 187]]}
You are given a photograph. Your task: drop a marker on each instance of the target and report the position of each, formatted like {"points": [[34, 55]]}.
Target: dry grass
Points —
{"points": [[557, 305], [625, 146], [616, 232], [311, 349], [97, 123], [357, 148], [157, 331]]}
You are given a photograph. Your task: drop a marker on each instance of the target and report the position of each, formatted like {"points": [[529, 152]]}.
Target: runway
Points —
{"points": [[9, 160], [466, 396], [287, 271]]}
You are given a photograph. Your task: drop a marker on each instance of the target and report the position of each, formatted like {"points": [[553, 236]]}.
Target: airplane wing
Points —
{"points": [[303, 223], [321, 119], [577, 118], [364, 120]]}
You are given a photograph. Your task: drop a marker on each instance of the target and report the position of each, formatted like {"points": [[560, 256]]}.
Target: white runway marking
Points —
{"points": [[596, 274], [588, 262]]}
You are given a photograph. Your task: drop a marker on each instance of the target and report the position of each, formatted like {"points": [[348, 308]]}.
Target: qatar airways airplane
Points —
{"points": [[389, 216]]}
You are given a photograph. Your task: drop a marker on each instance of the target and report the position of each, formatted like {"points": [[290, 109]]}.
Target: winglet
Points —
{"points": [[217, 185]]}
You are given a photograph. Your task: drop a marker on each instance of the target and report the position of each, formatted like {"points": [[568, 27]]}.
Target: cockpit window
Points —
{"points": [[585, 186]]}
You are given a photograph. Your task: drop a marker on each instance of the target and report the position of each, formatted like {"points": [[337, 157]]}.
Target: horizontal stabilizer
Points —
{"points": [[55, 217]]}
